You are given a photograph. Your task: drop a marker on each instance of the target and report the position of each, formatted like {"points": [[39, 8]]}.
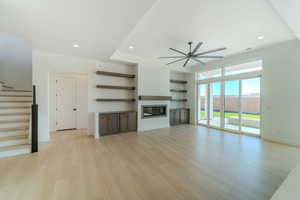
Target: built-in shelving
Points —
{"points": [[178, 81], [115, 87], [179, 100], [115, 74], [115, 100], [179, 91]]}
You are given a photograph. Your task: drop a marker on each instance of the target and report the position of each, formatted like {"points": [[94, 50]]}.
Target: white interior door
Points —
{"points": [[66, 103]]}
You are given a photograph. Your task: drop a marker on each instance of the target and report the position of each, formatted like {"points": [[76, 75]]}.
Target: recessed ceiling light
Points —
{"points": [[131, 47], [261, 37], [75, 45]]}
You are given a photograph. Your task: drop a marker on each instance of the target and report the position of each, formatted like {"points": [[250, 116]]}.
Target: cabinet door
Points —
{"points": [[114, 124], [132, 121], [172, 117], [124, 122], [187, 116], [104, 125], [183, 116], [177, 117]]}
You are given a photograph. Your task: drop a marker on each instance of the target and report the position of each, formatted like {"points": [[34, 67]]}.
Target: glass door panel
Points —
{"points": [[203, 103], [232, 105], [214, 109], [250, 106]]}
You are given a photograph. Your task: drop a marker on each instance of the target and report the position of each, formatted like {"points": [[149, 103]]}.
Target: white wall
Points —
{"points": [[192, 97], [15, 62], [280, 89], [45, 64]]}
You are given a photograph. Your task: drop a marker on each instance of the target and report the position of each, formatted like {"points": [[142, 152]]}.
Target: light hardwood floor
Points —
{"points": [[183, 162]]}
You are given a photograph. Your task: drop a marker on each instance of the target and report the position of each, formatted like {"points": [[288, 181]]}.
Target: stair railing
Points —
{"points": [[34, 123]]}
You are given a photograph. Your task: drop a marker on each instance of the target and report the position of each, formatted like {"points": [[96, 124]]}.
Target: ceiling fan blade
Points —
{"points": [[197, 48], [172, 57], [186, 62], [211, 51], [176, 61], [197, 60], [178, 51], [210, 57]]}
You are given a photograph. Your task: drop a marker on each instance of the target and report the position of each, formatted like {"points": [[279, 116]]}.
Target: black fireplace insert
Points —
{"points": [[154, 111]]}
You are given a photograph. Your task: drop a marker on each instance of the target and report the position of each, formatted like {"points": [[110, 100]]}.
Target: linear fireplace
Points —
{"points": [[150, 111]]}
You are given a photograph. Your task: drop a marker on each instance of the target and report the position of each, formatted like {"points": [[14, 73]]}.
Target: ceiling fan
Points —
{"points": [[193, 55]]}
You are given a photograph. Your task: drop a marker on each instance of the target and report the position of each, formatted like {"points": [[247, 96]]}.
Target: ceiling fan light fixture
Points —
{"points": [[192, 54]]}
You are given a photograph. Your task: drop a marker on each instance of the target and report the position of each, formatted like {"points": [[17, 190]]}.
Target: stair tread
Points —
{"points": [[14, 114], [6, 90], [13, 101], [14, 147], [14, 121], [17, 137], [15, 107], [11, 95], [18, 128]]}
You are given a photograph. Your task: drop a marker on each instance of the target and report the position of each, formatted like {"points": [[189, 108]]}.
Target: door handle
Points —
{"points": [[74, 109]]}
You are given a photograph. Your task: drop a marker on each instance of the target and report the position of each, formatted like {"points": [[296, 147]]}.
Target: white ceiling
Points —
{"points": [[234, 24], [102, 27], [98, 26], [289, 11]]}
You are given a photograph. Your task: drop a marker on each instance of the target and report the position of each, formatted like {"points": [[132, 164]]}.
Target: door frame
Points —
{"points": [[82, 107], [56, 99]]}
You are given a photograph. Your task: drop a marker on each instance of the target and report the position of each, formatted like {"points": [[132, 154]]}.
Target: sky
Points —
{"points": [[249, 86]]}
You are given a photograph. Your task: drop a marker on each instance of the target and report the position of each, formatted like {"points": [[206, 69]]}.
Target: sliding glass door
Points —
{"points": [[250, 106], [214, 106], [231, 105], [203, 103], [229, 97]]}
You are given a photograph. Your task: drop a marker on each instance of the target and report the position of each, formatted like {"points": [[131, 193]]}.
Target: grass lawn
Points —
{"points": [[231, 114]]}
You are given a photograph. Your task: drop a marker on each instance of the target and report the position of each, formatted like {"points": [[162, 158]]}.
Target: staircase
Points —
{"points": [[15, 115]]}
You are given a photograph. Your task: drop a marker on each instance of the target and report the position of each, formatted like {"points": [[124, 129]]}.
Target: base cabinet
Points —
{"points": [[117, 122], [179, 116]]}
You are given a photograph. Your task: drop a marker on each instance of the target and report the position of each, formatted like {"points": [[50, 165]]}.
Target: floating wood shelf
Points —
{"points": [[115, 100], [155, 98], [115, 74], [179, 100], [8, 87], [115, 87], [178, 81], [180, 91]]}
